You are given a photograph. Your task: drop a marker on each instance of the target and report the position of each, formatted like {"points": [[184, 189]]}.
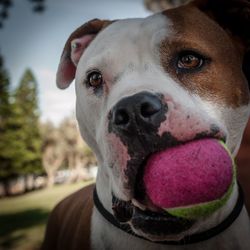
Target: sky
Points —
{"points": [[30, 40]]}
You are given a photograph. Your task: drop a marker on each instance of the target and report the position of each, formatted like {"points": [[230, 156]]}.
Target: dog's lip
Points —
{"points": [[138, 204], [159, 224], [146, 204], [147, 221], [123, 210]]}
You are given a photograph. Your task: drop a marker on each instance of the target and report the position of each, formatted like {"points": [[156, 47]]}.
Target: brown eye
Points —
{"points": [[190, 61], [95, 79]]}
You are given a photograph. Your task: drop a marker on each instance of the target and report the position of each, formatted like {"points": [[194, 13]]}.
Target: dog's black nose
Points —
{"points": [[140, 111]]}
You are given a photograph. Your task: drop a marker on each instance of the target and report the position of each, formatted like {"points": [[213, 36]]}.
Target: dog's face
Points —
{"points": [[144, 85]]}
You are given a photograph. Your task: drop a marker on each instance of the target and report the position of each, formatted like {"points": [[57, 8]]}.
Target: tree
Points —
{"points": [[64, 148], [27, 136], [6, 168], [77, 153], [20, 144], [4, 95], [52, 151]]}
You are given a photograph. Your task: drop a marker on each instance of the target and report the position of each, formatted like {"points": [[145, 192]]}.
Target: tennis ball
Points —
{"points": [[191, 180]]}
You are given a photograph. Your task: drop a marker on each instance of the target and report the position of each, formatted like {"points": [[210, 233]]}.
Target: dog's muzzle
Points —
{"points": [[135, 120]]}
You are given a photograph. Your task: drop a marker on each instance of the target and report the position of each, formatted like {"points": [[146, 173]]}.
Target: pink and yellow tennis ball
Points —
{"points": [[191, 180]]}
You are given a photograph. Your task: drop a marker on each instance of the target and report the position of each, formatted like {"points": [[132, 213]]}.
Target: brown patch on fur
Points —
{"points": [[230, 14], [221, 80]]}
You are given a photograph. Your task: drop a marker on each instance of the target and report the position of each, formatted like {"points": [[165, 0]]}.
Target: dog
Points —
{"points": [[145, 85]]}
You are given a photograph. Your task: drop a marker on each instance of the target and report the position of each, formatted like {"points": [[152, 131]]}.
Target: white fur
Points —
{"points": [[126, 52], [233, 127]]}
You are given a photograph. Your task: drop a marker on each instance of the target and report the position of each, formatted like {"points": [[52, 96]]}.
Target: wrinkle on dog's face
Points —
{"points": [[133, 56]]}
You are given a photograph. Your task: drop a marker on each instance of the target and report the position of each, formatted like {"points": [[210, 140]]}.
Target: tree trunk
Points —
{"points": [[51, 179], [6, 187]]}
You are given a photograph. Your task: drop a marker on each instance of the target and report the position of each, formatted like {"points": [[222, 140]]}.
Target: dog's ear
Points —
{"points": [[234, 17], [74, 48]]}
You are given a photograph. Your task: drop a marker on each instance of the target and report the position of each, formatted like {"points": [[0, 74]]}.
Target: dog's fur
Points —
{"points": [[137, 57]]}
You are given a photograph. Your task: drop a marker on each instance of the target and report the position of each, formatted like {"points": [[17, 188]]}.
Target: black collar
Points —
{"points": [[194, 238]]}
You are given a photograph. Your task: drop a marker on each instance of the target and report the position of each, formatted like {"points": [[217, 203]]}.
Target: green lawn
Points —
{"points": [[23, 218]]}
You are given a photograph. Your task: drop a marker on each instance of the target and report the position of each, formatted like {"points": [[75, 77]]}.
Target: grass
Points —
{"points": [[23, 218]]}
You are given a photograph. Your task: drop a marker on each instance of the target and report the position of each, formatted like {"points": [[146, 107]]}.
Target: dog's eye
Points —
{"points": [[95, 79], [189, 61]]}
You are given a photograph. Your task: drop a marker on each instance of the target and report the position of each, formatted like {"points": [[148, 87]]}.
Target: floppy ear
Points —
{"points": [[234, 17], [74, 48]]}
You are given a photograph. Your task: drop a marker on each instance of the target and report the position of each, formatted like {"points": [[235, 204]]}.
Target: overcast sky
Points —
{"points": [[35, 41]]}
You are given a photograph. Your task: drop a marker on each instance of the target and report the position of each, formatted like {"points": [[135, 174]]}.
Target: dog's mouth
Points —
{"points": [[147, 218], [153, 225], [144, 217]]}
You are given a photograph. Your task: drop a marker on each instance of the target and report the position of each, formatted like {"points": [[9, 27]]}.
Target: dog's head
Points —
{"points": [[145, 85]]}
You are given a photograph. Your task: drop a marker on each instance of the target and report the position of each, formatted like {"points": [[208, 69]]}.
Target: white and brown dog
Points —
{"points": [[144, 85]]}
